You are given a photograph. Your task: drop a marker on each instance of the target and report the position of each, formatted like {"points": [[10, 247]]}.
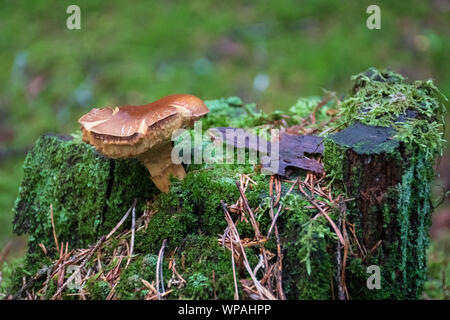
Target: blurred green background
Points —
{"points": [[271, 52]]}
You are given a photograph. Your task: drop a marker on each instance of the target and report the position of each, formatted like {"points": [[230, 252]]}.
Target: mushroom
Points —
{"points": [[144, 132]]}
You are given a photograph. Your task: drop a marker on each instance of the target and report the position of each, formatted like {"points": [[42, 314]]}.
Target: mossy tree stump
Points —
{"points": [[391, 208], [384, 160], [381, 161]]}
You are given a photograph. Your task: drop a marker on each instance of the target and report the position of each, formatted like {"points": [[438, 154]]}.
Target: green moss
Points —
{"points": [[406, 215], [9, 274], [306, 258], [191, 205], [89, 193], [191, 221], [438, 282], [200, 260], [98, 289], [231, 112], [205, 260], [416, 111], [332, 160], [190, 218], [130, 286]]}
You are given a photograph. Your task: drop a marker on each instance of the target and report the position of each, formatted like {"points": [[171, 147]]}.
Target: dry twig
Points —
{"points": [[159, 272]]}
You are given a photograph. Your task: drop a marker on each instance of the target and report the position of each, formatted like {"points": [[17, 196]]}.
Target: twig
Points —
{"points": [[265, 294], [254, 222], [133, 226], [271, 186], [260, 264], [274, 220], [159, 272], [176, 279], [54, 230], [341, 295], [250, 212], [121, 221], [280, 290], [148, 285], [333, 225], [47, 281], [28, 284], [236, 291], [111, 293], [73, 275]]}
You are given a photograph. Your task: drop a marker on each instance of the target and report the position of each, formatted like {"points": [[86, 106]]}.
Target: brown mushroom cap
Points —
{"points": [[128, 131], [143, 132]]}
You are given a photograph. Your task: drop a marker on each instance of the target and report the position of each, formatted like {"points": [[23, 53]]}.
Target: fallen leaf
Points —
{"points": [[294, 150]]}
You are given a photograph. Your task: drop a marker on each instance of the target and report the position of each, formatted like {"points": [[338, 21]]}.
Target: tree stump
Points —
{"points": [[379, 160], [388, 171]]}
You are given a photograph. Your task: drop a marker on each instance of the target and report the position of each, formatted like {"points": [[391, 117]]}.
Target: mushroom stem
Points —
{"points": [[161, 167]]}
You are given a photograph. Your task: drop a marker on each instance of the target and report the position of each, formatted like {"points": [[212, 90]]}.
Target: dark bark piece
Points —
{"points": [[364, 139]]}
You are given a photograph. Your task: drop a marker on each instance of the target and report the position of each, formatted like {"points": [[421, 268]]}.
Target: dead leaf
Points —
{"points": [[294, 150]]}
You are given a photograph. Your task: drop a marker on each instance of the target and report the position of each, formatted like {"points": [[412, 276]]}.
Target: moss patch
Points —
{"points": [[89, 193]]}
